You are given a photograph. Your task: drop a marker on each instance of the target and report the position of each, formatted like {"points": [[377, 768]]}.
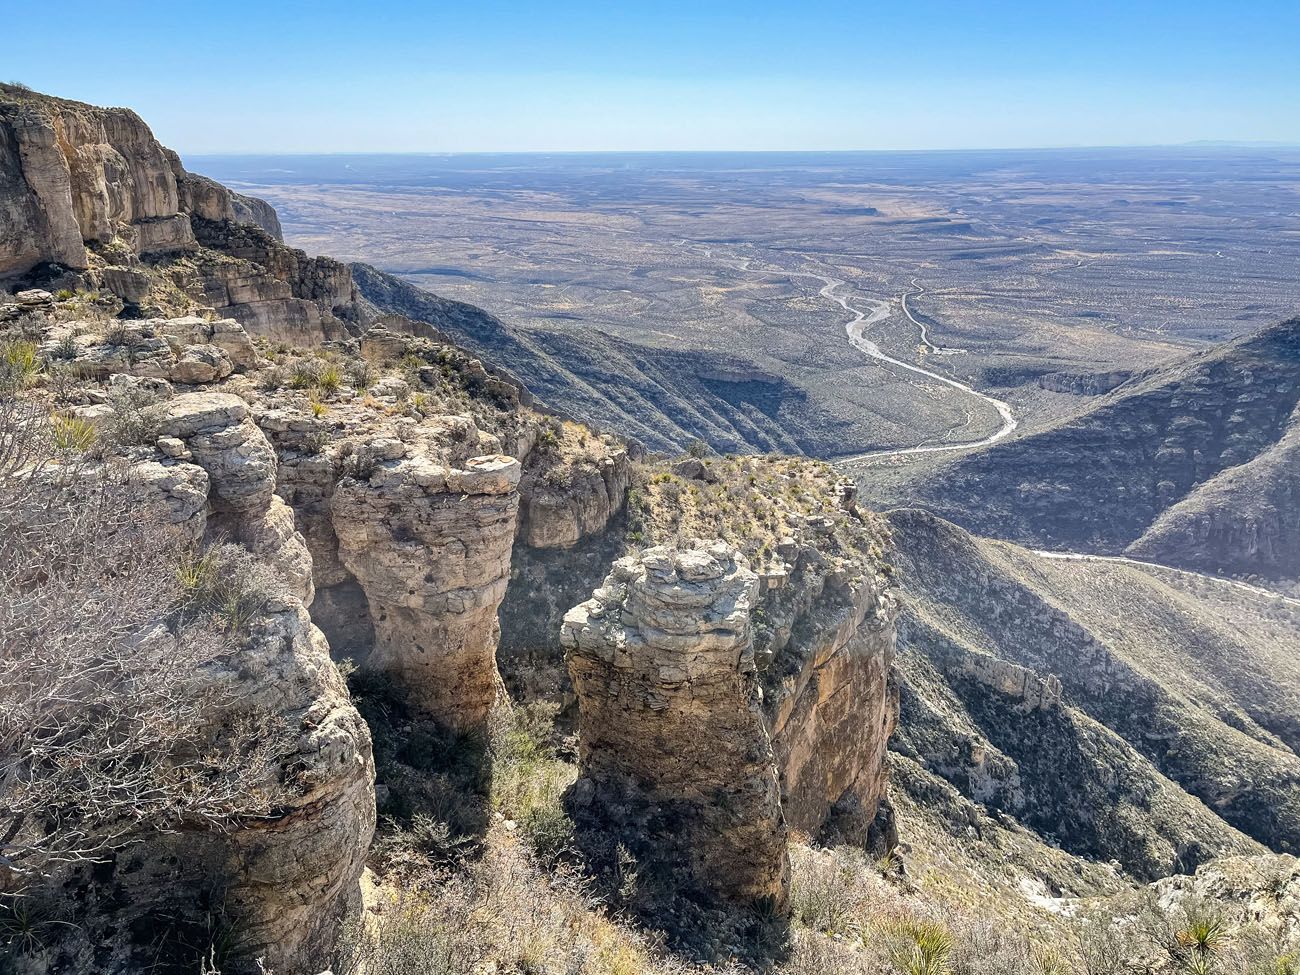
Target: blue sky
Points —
{"points": [[245, 76]]}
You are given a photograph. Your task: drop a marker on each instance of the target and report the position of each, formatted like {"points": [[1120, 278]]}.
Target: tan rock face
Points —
{"points": [[36, 198], [73, 174], [662, 660], [832, 717], [430, 546], [285, 882], [88, 175], [559, 516]]}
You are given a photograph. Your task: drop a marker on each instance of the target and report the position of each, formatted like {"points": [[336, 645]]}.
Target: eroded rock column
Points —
{"points": [[674, 751], [430, 546], [831, 716]]}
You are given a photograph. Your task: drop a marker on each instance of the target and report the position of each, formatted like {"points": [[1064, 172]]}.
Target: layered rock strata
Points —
{"points": [[557, 512], [218, 432], [674, 749], [430, 546]]}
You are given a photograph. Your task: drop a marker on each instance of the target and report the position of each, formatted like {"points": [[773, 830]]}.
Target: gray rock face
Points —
{"points": [[662, 660], [186, 350], [430, 546], [286, 881]]}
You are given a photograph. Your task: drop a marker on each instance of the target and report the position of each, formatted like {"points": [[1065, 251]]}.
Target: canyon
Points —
{"points": [[749, 681], [384, 479]]}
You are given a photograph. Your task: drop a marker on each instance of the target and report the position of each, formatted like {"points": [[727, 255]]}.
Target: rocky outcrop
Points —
{"points": [[284, 884], [430, 547], [206, 198], [1028, 690], [218, 431], [834, 706], [561, 506], [188, 350], [674, 749], [76, 174], [277, 292], [279, 885], [90, 189]]}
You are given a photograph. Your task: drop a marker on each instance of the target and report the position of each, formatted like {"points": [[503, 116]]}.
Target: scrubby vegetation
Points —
{"points": [[474, 872], [107, 630], [753, 503]]}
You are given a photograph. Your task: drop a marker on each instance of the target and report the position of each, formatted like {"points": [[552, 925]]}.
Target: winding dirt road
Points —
{"points": [[856, 329], [925, 332], [1125, 560]]}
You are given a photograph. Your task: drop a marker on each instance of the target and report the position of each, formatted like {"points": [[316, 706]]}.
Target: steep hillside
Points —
{"points": [[1194, 465], [1120, 713], [664, 398]]}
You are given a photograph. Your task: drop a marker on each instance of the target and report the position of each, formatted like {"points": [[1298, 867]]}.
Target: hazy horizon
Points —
{"points": [[577, 76]]}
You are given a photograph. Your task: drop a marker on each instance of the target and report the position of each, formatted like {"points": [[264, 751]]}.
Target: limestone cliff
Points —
{"points": [[286, 879], [91, 200], [430, 546]]}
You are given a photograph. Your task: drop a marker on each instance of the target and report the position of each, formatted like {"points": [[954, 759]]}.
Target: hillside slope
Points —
{"points": [[663, 397], [1122, 713], [1195, 465]]}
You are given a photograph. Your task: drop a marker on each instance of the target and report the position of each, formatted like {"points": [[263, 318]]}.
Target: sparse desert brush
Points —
{"points": [[329, 378], [227, 584], [105, 706], [136, 419], [528, 780], [503, 913]]}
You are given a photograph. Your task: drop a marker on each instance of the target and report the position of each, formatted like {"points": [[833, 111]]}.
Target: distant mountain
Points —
{"points": [[1196, 464]]}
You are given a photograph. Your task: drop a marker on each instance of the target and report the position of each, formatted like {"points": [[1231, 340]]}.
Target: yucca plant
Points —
{"points": [[72, 433], [921, 948], [1197, 944], [18, 363], [329, 378]]}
